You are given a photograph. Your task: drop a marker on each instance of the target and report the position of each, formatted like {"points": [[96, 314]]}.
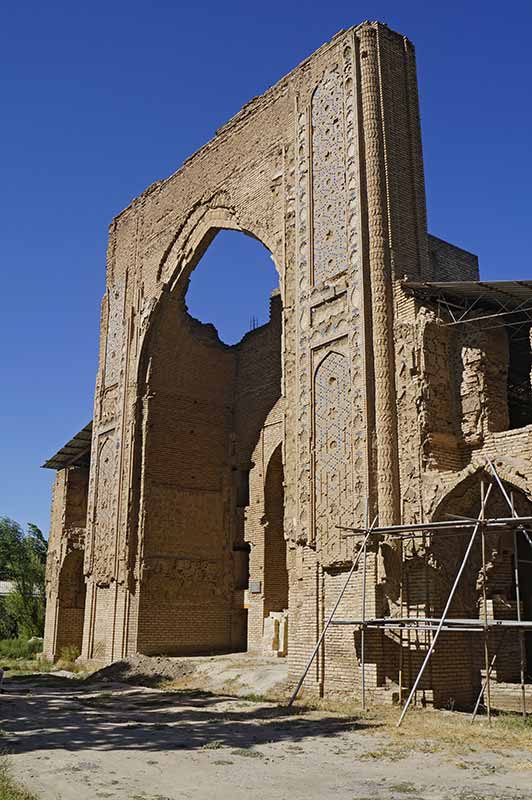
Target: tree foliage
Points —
{"points": [[22, 561]]}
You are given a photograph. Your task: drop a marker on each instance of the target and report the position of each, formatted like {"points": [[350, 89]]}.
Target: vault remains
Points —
{"points": [[199, 512]]}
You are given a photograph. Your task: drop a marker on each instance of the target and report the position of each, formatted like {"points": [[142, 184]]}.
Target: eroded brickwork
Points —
{"points": [[219, 475], [65, 583]]}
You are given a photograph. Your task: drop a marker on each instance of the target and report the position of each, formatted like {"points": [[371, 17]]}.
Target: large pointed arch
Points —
{"points": [[200, 408]]}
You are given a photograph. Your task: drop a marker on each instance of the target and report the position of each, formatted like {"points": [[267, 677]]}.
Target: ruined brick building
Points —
{"points": [[199, 510]]}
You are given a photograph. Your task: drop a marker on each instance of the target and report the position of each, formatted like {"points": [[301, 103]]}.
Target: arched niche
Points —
{"points": [[492, 592], [275, 571], [70, 605]]}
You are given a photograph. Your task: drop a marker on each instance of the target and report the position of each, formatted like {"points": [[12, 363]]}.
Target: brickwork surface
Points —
{"points": [[219, 475]]}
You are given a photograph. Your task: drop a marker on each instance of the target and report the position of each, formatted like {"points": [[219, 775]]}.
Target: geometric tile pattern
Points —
{"points": [[329, 178], [332, 414]]}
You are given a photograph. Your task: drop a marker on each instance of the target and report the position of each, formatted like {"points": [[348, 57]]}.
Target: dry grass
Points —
{"points": [[26, 666], [9, 790], [431, 731], [425, 730], [38, 664], [455, 731], [68, 660]]}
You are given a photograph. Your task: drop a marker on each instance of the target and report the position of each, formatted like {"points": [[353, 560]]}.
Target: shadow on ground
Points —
{"points": [[46, 712]]}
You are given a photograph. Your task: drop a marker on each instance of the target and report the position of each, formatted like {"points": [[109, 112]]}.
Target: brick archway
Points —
{"points": [[275, 572], [70, 605], [202, 406]]}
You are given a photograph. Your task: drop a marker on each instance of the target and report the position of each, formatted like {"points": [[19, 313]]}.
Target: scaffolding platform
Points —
{"points": [[476, 529]]}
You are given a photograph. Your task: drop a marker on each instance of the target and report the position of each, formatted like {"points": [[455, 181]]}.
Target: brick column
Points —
{"points": [[381, 281]]}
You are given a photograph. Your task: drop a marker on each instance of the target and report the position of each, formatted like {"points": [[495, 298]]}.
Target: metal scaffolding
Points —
{"points": [[460, 302], [476, 529]]}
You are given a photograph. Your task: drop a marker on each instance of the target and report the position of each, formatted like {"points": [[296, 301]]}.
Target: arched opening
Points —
{"points": [[460, 676], [70, 605], [204, 405], [275, 572], [274, 603], [518, 379], [231, 286]]}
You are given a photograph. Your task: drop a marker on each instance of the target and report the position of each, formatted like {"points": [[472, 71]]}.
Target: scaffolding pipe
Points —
{"points": [[483, 687], [518, 310], [446, 610], [402, 627], [485, 604], [460, 526], [522, 652], [401, 655], [363, 631], [457, 623], [510, 502]]}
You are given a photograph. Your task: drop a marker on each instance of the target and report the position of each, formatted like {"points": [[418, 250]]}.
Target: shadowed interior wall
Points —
{"points": [[71, 603], [65, 580], [428, 581], [204, 406], [275, 572], [185, 593]]}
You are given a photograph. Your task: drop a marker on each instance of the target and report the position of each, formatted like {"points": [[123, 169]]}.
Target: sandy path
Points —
{"points": [[80, 742]]}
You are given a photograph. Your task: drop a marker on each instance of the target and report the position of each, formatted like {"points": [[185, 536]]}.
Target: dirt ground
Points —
{"points": [[68, 739]]}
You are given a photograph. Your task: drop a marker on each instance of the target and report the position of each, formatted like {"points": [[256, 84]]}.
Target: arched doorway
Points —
{"points": [[70, 605], [204, 402], [275, 592], [275, 572], [459, 677]]}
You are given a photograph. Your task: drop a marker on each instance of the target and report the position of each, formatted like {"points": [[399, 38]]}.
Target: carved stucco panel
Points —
{"points": [[186, 581], [103, 537], [115, 333], [109, 406], [330, 301], [303, 325], [333, 486], [329, 209], [355, 294], [411, 417]]}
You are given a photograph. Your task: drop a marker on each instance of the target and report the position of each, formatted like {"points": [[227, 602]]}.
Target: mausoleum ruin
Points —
{"points": [[209, 505]]}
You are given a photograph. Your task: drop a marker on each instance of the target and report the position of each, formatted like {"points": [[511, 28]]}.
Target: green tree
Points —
{"points": [[23, 561]]}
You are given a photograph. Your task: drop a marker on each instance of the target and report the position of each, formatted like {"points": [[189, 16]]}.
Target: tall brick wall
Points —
{"points": [[252, 177], [451, 263], [65, 580], [204, 407], [369, 403]]}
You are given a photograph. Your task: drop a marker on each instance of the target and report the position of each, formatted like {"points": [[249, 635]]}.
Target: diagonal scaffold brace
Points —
{"points": [[441, 623], [361, 552], [510, 502]]}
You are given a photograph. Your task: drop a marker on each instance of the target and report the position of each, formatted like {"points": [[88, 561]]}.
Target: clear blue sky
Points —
{"points": [[101, 99]]}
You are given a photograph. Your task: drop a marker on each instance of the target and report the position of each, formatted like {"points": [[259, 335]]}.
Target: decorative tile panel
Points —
{"points": [[329, 208], [115, 333], [333, 460], [303, 326], [103, 538], [330, 311]]}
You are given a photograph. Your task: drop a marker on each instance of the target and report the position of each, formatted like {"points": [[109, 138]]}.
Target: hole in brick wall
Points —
{"points": [[232, 284], [519, 380]]}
